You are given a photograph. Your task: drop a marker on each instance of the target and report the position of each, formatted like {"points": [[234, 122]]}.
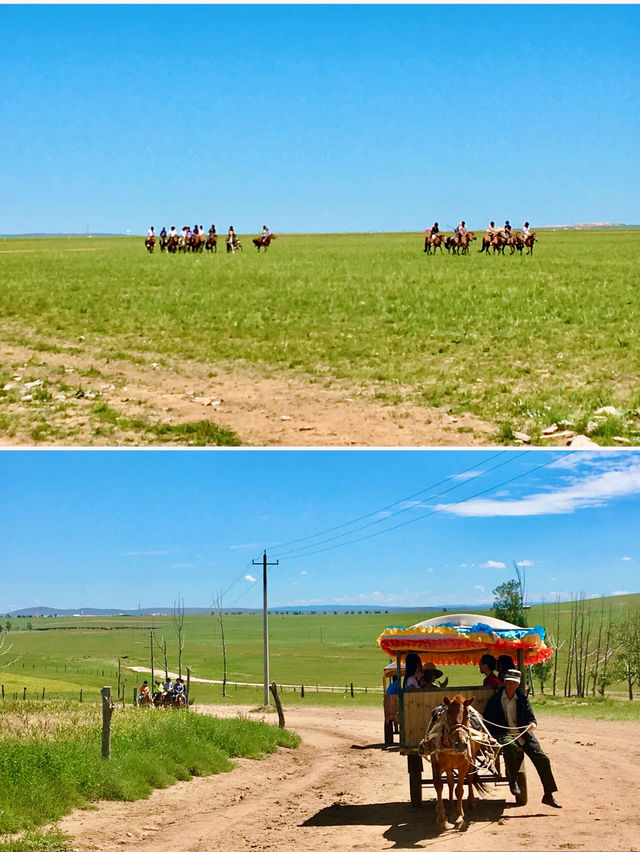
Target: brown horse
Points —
{"points": [[150, 243], [529, 241], [452, 750], [432, 243], [263, 242], [212, 243]]}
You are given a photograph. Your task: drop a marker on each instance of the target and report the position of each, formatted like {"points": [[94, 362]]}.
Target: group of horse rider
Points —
{"points": [[508, 717], [461, 235], [190, 237], [164, 694]]}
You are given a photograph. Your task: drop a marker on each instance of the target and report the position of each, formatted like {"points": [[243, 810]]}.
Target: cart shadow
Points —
{"points": [[406, 826]]}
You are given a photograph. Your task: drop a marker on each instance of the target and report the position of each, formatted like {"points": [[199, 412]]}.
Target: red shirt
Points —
{"points": [[492, 680]]}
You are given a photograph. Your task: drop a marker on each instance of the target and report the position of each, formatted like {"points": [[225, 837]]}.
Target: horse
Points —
{"points": [[529, 241], [164, 242], [145, 700], [179, 701], [150, 243], [196, 244], [173, 241], [452, 750], [212, 243], [263, 242]]}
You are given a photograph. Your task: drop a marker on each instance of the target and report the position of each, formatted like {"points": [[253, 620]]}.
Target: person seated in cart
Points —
{"points": [[429, 676], [393, 689], [510, 719], [488, 665], [412, 672]]}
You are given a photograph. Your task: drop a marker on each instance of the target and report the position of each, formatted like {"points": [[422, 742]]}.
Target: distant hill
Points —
{"points": [[52, 236], [52, 612]]}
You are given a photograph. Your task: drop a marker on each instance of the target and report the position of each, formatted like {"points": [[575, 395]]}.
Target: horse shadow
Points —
{"points": [[405, 827]]}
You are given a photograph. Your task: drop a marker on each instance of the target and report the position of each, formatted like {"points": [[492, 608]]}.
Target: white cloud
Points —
{"points": [[618, 592], [430, 570], [479, 588], [492, 564], [470, 474], [250, 578], [526, 563], [626, 559], [303, 572], [585, 492]]}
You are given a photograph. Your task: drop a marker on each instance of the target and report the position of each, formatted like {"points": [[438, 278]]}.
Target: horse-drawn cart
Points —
{"points": [[459, 639]]}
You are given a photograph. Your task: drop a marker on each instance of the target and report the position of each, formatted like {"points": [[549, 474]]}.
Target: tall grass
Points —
{"points": [[50, 755]]}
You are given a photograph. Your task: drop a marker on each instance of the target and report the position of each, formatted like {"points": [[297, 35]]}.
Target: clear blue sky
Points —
{"points": [[119, 528], [317, 118]]}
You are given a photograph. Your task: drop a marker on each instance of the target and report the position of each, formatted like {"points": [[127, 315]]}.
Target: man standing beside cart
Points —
{"points": [[510, 719]]}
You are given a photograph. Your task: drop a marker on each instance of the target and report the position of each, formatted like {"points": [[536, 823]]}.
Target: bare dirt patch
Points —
{"points": [[341, 790], [261, 409]]}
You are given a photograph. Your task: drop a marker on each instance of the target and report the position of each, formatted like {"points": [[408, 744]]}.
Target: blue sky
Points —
{"points": [[317, 118], [119, 528]]}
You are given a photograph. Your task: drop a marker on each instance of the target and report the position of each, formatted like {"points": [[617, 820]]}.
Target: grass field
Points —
{"points": [[521, 342], [50, 755], [309, 650]]}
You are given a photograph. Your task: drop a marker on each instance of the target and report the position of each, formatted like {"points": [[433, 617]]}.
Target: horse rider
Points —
{"points": [[163, 232], [461, 230], [525, 231], [144, 691], [507, 229], [231, 239], [151, 232], [212, 231], [179, 689], [509, 718], [172, 232], [264, 233], [492, 230]]}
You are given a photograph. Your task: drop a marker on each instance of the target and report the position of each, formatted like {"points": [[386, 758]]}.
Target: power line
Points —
{"points": [[390, 505], [513, 457], [422, 517]]}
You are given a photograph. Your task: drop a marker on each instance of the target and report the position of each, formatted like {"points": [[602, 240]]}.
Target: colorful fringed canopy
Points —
{"points": [[461, 639]]}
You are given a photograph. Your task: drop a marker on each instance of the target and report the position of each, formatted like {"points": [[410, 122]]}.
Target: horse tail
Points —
{"points": [[479, 786]]}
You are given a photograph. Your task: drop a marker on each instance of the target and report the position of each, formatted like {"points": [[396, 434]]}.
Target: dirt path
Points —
{"points": [[341, 790], [262, 409]]}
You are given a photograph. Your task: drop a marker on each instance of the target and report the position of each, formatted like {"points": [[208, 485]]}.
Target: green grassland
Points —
{"points": [[522, 342], [50, 755], [309, 650]]}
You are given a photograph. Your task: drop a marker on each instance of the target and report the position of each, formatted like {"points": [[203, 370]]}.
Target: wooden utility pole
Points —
{"points": [[265, 623], [152, 671]]}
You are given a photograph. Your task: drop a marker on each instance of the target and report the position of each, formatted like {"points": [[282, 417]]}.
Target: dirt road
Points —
{"points": [[341, 790], [60, 384]]}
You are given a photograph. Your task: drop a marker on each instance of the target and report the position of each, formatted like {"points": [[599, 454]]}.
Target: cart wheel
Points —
{"points": [[414, 762], [388, 733], [521, 799]]}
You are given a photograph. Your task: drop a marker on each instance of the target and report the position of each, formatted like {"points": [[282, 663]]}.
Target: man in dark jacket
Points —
{"points": [[507, 715]]}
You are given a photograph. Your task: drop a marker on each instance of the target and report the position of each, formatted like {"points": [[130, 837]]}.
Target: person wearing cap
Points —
{"points": [[510, 719]]}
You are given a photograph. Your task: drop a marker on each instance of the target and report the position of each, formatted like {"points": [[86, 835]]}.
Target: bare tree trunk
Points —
{"points": [[178, 622], [556, 646]]}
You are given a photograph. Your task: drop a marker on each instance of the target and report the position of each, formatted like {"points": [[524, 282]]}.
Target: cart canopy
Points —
{"points": [[462, 639]]}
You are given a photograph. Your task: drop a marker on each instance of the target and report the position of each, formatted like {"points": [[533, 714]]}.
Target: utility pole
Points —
{"points": [[265, 624]]}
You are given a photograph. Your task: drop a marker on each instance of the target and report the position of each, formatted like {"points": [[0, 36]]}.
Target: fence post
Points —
{"points": [[188, 684], [3, 691], [276, 698], [80, 696], [302, 691], [352, 690], [107, 711], [135, 695], [24, 693], [43, 689]]}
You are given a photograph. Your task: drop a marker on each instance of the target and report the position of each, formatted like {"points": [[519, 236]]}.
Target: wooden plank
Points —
{"points": [[418, 705]]}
